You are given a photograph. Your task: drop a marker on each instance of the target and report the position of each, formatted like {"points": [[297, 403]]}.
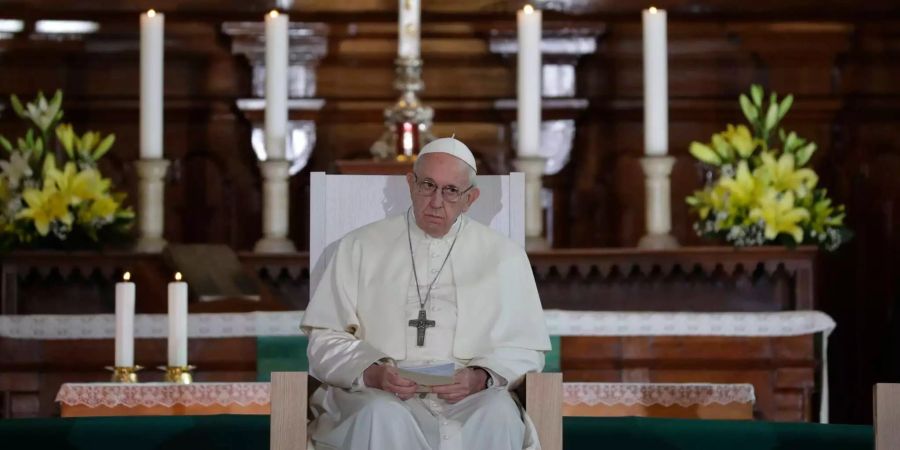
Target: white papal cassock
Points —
{"points": [[487, 314]]}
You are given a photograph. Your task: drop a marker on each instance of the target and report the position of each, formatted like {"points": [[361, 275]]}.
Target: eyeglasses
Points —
{"points": [[450, 193]]}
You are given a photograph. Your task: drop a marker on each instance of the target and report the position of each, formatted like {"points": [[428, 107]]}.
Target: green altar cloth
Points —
{"points": [[580, 433], [288, 353]]}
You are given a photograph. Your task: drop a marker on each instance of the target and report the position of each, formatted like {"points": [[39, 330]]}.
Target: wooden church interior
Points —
{"points": [[840, 59]]}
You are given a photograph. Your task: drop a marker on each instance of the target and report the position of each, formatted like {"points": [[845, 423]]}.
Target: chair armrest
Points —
{"points": [[288, 400], [887, 416], [543, 402]]}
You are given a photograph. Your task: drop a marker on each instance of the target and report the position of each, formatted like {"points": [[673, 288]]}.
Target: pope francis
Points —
{"points": [[430, 287]]}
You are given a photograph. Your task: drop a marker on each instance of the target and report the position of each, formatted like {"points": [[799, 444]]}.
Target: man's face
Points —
{"points": [[434, 214]]}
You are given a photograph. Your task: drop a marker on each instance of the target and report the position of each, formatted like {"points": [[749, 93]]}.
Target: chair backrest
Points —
{"points": [[342, 203]]}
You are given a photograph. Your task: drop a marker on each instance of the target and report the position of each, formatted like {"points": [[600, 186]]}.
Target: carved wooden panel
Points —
{"points": [[782, 370]]}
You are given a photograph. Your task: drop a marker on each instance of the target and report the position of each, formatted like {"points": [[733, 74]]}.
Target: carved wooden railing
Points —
{"points": [[690, 278]]}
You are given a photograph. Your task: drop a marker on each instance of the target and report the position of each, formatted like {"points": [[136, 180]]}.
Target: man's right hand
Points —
{"points": [[387, 379]]}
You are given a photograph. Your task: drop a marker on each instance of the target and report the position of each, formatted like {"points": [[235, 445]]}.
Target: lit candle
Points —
{"points": [[125, 322], [178, 315], [656, 80], [529, 82], [152, 28], [276, 84], [408, 29]]}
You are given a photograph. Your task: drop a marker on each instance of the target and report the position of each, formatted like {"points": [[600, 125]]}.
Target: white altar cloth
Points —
{"points": [[559, 323]]}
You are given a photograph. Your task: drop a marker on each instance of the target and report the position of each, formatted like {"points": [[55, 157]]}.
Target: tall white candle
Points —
{"points": [[152, 30], [656, 83], [178, 317], [408, 29], [276, 83], [125, 322], [529, 82]]}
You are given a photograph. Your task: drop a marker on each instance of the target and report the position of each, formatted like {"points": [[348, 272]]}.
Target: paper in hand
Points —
{"points": [[429, 375]]}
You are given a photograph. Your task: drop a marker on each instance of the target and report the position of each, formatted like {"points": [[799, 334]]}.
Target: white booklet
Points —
{"points": [[430, 374]]}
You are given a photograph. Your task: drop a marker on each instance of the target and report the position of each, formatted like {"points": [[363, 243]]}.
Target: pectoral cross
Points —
{"points": [[421, 324]]}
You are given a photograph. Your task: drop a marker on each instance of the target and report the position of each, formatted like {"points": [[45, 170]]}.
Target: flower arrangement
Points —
{"points": [[51, 190], [764, 193]]}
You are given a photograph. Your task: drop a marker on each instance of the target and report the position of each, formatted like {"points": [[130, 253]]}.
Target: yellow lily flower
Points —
{"points": [[45, 206], [104, 207], [708, 200], [741, 139], [89, 185], [780, 215], [64, 180], [743, 188], [783, 176]]}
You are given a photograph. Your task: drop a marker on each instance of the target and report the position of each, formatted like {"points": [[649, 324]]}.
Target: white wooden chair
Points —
{"points": [[342, 203], [887, 416]]}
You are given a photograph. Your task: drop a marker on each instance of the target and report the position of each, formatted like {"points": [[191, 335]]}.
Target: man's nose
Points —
{"points": [[437, 199]]}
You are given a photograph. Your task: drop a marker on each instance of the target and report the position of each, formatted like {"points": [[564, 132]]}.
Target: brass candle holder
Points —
{"points": [[124, 374], [408, 121], [178, 374]]}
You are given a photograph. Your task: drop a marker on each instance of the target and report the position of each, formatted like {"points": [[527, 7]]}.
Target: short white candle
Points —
{"points": [[178, 317], [276, 84], [656, 83], [408, 29], [529, 82], [125, 322], [152, 30]]}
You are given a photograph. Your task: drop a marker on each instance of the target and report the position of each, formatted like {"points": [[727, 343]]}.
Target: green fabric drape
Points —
{"points": [[641, 433], [280, 354], [580, 433], [288, 353]]}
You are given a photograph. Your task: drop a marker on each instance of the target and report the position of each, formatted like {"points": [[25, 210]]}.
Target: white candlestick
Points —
{"points": [[276, 84], [178, 316], [529, 82], [152, 30], [408, 29], [656, 83], [125, 322]]}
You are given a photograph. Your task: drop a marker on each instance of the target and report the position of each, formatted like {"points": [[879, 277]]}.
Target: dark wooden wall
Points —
{"points": [[840, 58]]}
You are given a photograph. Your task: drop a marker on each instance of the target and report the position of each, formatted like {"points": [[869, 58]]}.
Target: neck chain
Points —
{"points": [[413, 259]]}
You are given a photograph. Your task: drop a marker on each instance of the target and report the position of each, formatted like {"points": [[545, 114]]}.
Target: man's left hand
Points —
{"points": [[466, 382]]}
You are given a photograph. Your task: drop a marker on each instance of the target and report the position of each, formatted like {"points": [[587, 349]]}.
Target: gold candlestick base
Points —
{"points": [[178, 374], [124, 374]]}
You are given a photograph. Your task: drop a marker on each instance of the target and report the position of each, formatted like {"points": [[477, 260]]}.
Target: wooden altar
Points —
{"points": [[782, 369]]}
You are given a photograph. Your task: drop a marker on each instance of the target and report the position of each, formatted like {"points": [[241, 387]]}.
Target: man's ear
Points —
{"points": [[472, 195], [410, 180]]}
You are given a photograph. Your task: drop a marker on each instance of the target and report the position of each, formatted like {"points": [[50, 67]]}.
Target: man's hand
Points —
{"points": [[387, 379], [466, 382]]}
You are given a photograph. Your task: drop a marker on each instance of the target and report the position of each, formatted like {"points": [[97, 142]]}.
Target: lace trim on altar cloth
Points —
{"points": [[650, 394], [110, 395]]}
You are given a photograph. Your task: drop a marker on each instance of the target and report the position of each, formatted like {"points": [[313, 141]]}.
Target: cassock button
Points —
{"points": [[445, 437]]}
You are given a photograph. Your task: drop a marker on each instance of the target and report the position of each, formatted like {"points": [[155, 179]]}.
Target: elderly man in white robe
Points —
{"points": [[426, 287]]}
